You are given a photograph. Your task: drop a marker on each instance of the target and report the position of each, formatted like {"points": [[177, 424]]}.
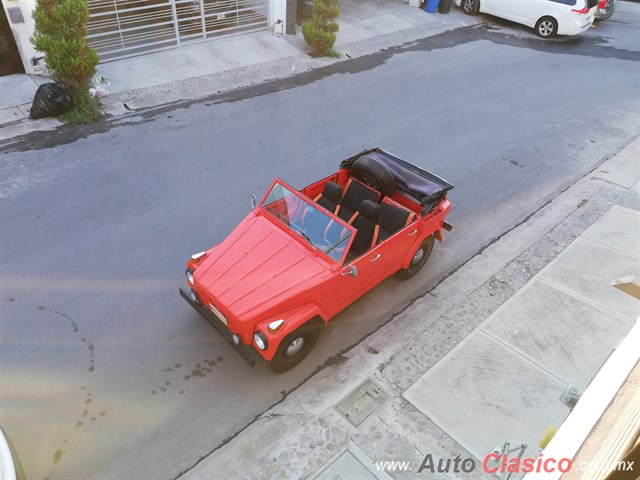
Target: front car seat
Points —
{"points": [[330, 197], [367, 224]]}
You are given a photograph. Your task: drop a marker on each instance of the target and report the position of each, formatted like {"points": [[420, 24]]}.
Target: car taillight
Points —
{"points": [[602, 4], [584, 11]]}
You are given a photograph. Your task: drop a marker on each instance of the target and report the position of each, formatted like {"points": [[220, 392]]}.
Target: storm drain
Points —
{"points": [[362, 402]]}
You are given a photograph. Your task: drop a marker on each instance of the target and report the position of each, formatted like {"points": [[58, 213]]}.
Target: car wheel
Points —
{"points": [[372, 173], [547, 27], [295, 347], [470, 7], [419, 258]]}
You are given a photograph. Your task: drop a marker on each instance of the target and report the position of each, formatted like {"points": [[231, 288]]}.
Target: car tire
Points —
{"points": [[470, 7], [290, 351], [420, 257], [372, 173], [547, 27]]}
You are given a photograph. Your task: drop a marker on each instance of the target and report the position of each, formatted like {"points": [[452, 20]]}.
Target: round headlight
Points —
{"points": [[189, 274], [261, 340]]}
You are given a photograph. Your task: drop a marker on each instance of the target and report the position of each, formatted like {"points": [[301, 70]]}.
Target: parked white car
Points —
{"points": [[7, 468], [548, 17]]}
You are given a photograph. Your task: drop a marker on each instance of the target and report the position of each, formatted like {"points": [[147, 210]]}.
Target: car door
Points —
{"points": [[492, 7], [525, 12], [398, 245], [370, 271]]}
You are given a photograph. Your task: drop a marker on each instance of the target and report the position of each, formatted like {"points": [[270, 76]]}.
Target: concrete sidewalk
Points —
{"points": [[479, 361], [202, 69]]}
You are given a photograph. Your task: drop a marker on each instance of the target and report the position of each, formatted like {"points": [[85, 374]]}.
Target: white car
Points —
{"points": [[7, 467], [548, 17]]}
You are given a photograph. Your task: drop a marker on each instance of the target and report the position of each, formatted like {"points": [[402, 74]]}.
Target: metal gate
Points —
{"points": [[124, 28]]}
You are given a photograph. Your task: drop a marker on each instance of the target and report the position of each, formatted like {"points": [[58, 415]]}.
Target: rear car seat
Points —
{"points": [[392, 219], [355, 193]]}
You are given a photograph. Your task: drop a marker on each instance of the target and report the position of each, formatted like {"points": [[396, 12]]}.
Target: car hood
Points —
{"points": [[258, 267]]}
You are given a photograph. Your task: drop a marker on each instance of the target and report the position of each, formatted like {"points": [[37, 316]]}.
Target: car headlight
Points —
{"points": [[189, 274], [261, 340]]}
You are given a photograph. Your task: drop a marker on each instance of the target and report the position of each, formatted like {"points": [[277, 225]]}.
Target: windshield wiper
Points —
{"points": [[281, 217], [306, 237], [338, 243]]}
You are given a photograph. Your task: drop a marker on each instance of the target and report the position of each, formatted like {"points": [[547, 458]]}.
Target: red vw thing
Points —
{"points": [[300, 257]]}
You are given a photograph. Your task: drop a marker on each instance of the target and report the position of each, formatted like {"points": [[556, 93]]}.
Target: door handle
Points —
{"points": [[376, 257], [413, 233]]}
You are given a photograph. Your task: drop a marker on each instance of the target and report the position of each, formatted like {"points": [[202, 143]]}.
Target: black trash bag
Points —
{"points": [[51, 100]]}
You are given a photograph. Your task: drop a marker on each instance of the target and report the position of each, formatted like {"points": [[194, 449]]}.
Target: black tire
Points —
{"points": [[372, 173], [547, 27], [470, 7], [417, 262], [282, 361]]}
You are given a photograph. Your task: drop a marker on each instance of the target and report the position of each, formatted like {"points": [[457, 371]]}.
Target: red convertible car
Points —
{"points": [[300, 257]]}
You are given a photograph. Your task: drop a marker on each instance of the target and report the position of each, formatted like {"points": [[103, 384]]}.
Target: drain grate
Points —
{"points": [[362, 402]]}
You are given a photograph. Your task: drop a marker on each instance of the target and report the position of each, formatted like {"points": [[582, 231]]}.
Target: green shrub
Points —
{"points": [[321, 42], [60, 34], [319, 33], [86, 109]]}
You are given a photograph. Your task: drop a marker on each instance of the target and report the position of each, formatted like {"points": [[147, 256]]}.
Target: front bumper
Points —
{"points": [[246, 352]]}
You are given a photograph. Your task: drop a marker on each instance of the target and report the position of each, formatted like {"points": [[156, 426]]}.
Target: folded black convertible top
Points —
{"points": [[424, 187]]}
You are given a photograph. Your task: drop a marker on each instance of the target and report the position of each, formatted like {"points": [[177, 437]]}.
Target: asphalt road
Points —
{"points": [[107, 373]]}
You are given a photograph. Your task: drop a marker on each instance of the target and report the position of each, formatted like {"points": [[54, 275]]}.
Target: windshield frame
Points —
{"points": [[312, 204]]}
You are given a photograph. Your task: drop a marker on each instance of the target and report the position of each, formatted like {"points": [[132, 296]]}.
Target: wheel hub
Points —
{"points": [[295, 347], [546, 28], [418, 256]]}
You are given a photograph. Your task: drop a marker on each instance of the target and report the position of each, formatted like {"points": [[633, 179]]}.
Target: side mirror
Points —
{"points": [[351, 270], [253, 200]]}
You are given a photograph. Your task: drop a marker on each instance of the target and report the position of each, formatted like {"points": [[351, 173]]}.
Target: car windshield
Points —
{"points": [[310, 221]]}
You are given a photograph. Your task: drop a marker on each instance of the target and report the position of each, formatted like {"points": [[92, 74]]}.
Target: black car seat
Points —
{"points": [[392, 219], [355, 193], [367, 223], [330, 197]]}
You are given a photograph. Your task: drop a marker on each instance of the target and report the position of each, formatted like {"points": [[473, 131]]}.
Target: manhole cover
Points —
{"points": [[362, 402]]}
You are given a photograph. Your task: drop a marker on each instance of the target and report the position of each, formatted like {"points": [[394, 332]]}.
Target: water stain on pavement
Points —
{"points": [[199, 370], [88, 397]]}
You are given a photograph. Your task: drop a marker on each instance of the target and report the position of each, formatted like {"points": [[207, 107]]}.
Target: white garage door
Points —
{"points": [[122, 28]]}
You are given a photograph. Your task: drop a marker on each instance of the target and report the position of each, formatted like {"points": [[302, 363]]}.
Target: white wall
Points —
{"points": [[22, 33], [277, 11]]}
